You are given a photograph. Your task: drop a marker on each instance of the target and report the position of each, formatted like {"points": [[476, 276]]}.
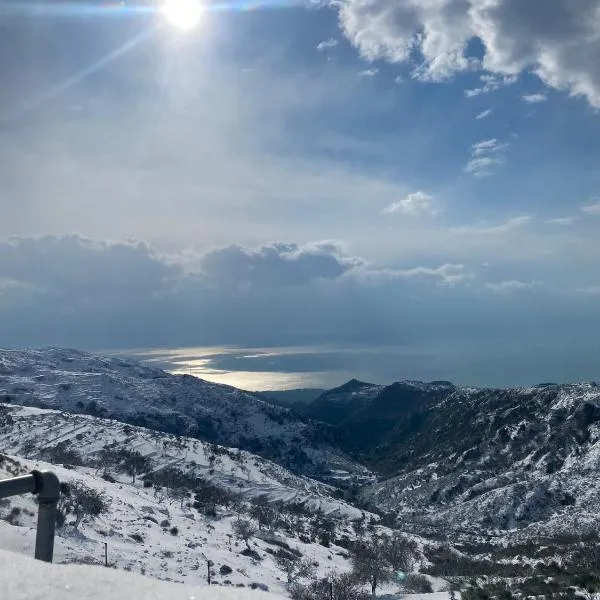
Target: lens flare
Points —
{"points": [[183, 14]]}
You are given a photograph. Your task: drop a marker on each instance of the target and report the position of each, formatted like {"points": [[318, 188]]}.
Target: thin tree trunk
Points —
{"points": [[373, 585]]}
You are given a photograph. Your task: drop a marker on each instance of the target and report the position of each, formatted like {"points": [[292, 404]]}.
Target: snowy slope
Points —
{"points": [[134, 511], [26, 579], [138, 527], [30, 432], [180, 404]]}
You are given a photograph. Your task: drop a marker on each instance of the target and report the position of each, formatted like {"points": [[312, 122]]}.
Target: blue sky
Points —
{"points": [[375, 172]]}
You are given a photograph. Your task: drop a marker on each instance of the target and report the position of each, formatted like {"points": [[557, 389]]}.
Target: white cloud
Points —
{"points": [[415, 204], [491, 83], [485, 156], [512, 286], [485, 229], [484, 114], [563, 221], [534, 98], [448, 274], [369, 72], [327, 45], [592, 209], [558, 41]]}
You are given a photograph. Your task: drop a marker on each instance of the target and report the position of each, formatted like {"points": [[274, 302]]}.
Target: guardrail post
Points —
{"points": [[47, 487]]}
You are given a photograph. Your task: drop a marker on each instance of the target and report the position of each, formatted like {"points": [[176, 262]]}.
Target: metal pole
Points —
{"points": [[17, 486], [106, 554], [208, 570], [47, 487]]}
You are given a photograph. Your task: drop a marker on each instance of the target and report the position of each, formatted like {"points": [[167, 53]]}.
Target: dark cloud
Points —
{"points": [[277, 263], [72, 291]]}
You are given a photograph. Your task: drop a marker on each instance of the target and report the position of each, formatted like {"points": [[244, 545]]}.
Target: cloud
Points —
{"points": [[563, 221], [327, 45], [369, 72], [491, 83], [416, 204], [534, 98], [84, 269], [485, 156], [98, 294], [592, 209], [558, 41], [485, 229], [484, 114], [513, 286], [277, 264], [447, 274]]}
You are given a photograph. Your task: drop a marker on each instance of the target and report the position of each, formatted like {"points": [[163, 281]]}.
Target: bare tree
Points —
{"points": [[135, 463], [294, 567], [244, 529], [262, 512], [83, 501], [376, 559], [342, 587]]}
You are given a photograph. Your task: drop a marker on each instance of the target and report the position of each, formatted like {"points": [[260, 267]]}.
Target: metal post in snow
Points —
{"points": [[47, 488], [208, 564], [106, 554]]}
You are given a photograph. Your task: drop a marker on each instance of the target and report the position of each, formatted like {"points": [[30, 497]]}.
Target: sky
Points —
{"points": [[415, 174]]}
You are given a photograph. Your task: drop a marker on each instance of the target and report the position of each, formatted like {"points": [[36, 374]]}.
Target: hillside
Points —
{"points": [[166, 529], [475, 459], [78, 382]]}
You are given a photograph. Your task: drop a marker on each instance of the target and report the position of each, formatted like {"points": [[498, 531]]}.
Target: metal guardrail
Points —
{"points": [[47, 487]]}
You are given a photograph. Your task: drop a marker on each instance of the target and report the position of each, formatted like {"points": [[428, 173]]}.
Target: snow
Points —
{"points": [[138, 511], [78, 382], [26, 579]]}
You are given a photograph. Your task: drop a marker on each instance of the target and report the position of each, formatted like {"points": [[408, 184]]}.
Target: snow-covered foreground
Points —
{"points": [[150, 533], [26, 579], [138, 533]]}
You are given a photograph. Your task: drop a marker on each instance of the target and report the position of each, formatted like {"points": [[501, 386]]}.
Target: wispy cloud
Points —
{"points": [[592, 209], [563, 221], [534, 98], [487, 229], [485, 156], [327, 44], [416, 204], [448, 274], [369, 72], [491, 83], [484, 114], [512, 286]]}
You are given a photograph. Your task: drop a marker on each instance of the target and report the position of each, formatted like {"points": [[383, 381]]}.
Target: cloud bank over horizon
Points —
{"points": [[73, 291]]}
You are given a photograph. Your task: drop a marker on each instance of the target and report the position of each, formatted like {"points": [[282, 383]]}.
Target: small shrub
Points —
{"points": [[136, 537], [173, 531], [415, 583]]}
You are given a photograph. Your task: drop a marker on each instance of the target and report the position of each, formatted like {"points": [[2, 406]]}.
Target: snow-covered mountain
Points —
{"points": [[78, 382], [475, 459]]}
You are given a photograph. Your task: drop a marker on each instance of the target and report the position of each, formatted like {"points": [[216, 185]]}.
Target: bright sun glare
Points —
{"points": [[183, 14]]}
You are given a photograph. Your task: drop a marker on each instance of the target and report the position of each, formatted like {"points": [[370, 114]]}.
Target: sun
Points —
{"points": [[183, 14]]}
